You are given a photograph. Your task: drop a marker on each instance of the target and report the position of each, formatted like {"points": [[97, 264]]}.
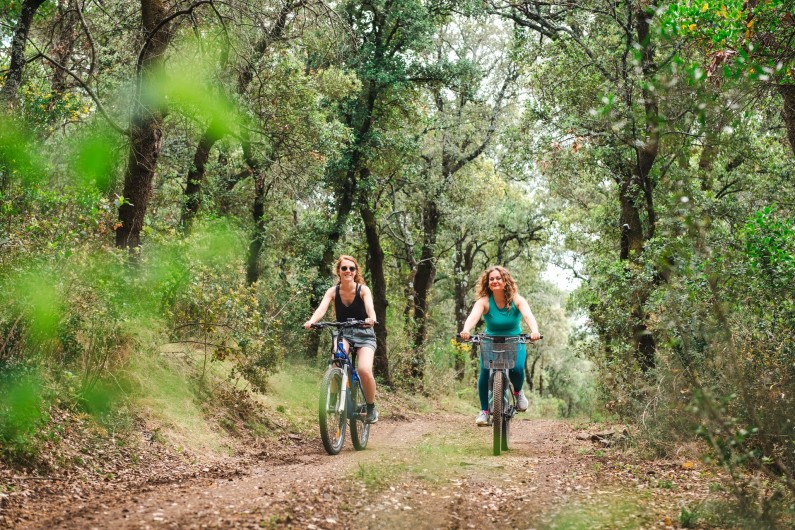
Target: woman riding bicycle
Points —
{"points": [[503, 310], [353, 300]]}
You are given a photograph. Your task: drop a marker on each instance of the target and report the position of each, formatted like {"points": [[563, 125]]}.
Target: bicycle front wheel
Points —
{"points": [[506, 432], [360, 431], [497, 419], [331, 411]]}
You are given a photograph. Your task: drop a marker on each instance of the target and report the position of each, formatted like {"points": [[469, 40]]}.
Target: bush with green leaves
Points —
{"points": [[220, 315]]}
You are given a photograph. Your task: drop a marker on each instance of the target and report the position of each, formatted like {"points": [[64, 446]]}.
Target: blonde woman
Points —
{"points": [[353, 299], [503, 309]]}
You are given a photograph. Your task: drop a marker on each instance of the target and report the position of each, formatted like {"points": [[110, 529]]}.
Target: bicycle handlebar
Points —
{"points": [[479, 338], [346, 324]]}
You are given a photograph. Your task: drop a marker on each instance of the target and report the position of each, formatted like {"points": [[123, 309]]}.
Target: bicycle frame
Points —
{"points": [[350, 377]]}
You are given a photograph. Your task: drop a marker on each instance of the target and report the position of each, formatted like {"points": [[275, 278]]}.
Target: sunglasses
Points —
{"points": [[345, 268]]}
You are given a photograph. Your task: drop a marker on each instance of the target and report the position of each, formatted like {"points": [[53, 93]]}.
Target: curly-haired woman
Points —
{"points": [[503, 309]]}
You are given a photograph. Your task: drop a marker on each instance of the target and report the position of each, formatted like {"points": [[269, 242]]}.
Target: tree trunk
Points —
{"points": [[788, 111], [258, 234], [644, 342], [145, 144], [530, 374], [375, 266], [541, 378], [636, 184], [8, 95], [195, 179], [631, 227], [462, 270], [426, 272], [146, 129], [257, 212]]}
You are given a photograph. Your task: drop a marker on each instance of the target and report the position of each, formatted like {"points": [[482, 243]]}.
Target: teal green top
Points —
{"points": [[503, 322]]}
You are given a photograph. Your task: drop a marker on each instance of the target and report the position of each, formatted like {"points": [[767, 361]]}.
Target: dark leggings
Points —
{"points": [[515, 374]]}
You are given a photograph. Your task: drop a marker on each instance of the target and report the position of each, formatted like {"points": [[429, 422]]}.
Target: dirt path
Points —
{"points": [[423, 473]]}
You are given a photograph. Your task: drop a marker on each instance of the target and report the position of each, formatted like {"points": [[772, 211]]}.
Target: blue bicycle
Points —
{"points": [[341, 394]]}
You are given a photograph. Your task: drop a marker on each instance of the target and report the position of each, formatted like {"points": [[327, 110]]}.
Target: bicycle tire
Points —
{"points": [[332, 421], [497, 419], [360, 431], [506, 433]]}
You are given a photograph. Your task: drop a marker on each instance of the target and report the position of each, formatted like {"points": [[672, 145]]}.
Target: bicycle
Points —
{"points": [[341, 395], [499, 355]]}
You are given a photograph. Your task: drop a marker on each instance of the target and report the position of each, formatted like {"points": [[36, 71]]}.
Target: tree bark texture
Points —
{"points": [[636, 195], [257, 237], [788, 112], [462, 270], [531, 373], [8, 95], [146, 129], [426, 271], [257, 211], [145, 144], [195, 178]]}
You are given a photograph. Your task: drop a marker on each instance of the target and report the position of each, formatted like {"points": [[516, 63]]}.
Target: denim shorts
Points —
{"points": [[359, 337]]}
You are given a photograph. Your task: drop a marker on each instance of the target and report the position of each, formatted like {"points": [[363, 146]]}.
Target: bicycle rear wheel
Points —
{"points": [[360, 431], [331, 412], [497, 419]]}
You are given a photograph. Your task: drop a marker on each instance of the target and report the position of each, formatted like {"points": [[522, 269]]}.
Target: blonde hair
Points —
{"points": [[510, 284], [356, 277]]}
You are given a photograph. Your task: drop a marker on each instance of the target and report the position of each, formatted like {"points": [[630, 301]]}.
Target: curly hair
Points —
{"points": [[510, 284], [358, 278]]}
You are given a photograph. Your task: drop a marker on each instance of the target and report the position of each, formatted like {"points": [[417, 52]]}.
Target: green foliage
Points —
{"points": [[19, 156], [95, 160], [770, 255], [741, 41], [22, 412], [223, 315]]}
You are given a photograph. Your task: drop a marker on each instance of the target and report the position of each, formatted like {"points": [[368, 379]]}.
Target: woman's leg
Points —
{"points": [[365, 356], [516, 373], [483, 388]]}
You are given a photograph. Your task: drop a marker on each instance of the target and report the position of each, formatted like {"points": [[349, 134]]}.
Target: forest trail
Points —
{"points": [[429, 472]]}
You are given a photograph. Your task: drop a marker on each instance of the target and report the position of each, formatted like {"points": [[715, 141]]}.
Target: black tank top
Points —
{"points": [[355, 310]]}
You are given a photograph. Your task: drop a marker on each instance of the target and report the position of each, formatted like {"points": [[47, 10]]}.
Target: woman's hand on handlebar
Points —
{"points": [[535, 336], [308, 324], [464, 335], [369, 322]]}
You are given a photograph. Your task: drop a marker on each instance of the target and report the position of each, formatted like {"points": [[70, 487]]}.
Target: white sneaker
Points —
{"points": [[483, 419], [521, 401]]}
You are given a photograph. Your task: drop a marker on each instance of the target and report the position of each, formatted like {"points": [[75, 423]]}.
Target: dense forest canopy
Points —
{"points": [[191, 170]]}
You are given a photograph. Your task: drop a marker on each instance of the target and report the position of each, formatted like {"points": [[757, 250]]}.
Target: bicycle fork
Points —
{"points": [[339, 355]]}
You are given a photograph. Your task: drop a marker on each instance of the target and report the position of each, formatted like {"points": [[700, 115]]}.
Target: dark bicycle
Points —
{"points": [[498, 354], [341, 394]]}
